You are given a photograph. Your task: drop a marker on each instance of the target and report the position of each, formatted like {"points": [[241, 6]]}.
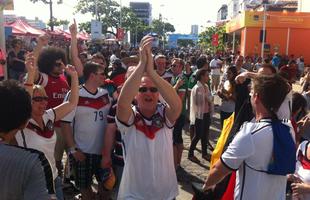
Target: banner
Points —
{"points": [[120, 34], [215, 40], [96, 29]]}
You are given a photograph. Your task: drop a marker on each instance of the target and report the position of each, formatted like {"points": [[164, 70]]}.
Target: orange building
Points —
{"points": [[287, 33]]}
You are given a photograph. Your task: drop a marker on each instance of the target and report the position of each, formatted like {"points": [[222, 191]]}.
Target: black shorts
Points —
{"points": [[177, 131], [84, 171]]}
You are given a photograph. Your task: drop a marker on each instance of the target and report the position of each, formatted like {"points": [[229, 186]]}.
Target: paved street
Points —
{"points": [[193, 172]]}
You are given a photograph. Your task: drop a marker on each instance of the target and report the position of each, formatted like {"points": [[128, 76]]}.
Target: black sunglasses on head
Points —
{"points": [[145, 89], [39, 99]]}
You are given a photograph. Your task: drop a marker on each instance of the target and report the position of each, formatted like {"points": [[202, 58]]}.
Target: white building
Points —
{"points": [[303, 6], [194, 29]]}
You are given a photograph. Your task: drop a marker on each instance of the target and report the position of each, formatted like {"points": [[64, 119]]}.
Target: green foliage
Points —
{"points": [[108, 13], [46, 1], [161, 28], [185, 43], [85, 27], [205, 38], [58, 22]]}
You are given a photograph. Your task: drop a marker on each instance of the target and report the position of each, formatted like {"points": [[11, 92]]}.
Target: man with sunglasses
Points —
{"points": [[88, 122], [146, 130]]}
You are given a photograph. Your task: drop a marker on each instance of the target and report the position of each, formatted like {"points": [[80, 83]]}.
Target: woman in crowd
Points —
{"points": [[201, 107], [227, 94], [39, 133]]}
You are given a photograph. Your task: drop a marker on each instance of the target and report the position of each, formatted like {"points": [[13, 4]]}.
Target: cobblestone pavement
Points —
{"points": [[193, 172]]}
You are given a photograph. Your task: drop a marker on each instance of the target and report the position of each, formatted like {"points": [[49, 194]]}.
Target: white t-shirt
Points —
{"points": [[215, 68], [35, 141], [285, 109], [149, 171], [89, 120], [303, 166], [253, 146]]}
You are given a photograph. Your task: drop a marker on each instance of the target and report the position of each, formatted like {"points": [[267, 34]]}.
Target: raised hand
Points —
{"points": [[145, 44], [31, 67], [71, 71], [43, 40], [73, 28]]}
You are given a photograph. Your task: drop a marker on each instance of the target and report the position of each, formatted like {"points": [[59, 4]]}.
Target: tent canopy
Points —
{"points": [[20, 27]]}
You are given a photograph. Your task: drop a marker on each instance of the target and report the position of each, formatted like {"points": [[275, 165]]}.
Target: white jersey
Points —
{"points": [[285, 110], [149, 171], [251, 150], [89, 120], [303, 166], [34, 140]]}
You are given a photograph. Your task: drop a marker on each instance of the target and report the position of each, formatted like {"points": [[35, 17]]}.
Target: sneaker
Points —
{"points": [[193, 159]]}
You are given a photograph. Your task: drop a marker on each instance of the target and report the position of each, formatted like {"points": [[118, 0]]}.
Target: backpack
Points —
{"points": [[283, 158]]}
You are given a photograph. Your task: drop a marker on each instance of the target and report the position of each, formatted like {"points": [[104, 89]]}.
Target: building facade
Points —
{"points": [[143, 10], [194, 30]]}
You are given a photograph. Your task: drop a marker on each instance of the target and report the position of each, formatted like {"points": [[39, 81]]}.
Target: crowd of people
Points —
{"points": [[119, 116]]}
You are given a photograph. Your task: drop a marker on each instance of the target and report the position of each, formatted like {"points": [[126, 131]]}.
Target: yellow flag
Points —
{"points": [[217, 152]]}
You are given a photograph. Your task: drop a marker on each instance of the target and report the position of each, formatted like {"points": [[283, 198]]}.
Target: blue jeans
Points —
{"points": [[58, 188]]}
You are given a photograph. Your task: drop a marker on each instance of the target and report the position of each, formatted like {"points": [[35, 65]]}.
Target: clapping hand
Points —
{"points": [[145, 44]]}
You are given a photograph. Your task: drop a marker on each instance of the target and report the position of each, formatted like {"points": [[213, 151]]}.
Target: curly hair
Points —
{"points": [[48, 57]]}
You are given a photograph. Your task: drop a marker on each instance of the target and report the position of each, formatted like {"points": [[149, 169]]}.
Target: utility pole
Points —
{"points": [[51, 15]]}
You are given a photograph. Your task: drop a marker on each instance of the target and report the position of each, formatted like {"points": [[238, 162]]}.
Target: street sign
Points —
{"points": [[215, 40], [96, 29]]}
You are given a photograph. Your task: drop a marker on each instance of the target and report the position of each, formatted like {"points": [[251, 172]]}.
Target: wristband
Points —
{"points": [[28, 84]]}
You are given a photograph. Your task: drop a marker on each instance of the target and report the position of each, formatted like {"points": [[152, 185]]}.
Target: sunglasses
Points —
{"points": [[145, 89], [58, 64], [40, 98]]}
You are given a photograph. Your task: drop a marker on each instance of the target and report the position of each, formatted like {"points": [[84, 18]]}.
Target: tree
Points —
{"points": [[50, 2], [205, 38], [161, 28], [185, 43], [85, 27], [58, 22], [107, 12]]}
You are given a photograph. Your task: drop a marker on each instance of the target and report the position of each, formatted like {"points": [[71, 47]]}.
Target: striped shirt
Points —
{"points": [[25, 174]]}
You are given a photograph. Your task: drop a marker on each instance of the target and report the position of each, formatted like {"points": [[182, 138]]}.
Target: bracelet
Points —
{"points": [[28, 84]]}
